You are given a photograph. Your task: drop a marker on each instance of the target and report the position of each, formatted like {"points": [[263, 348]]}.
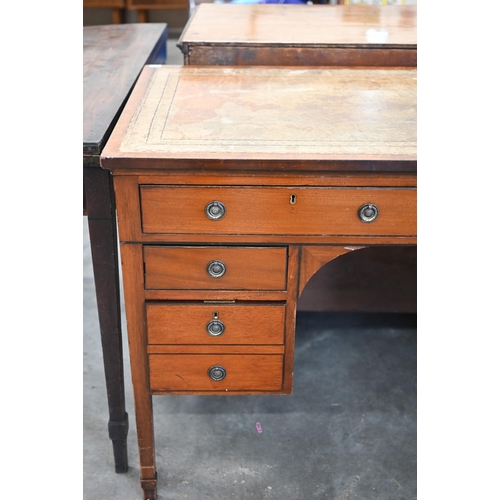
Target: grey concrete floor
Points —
{"points": [[347, 432]]}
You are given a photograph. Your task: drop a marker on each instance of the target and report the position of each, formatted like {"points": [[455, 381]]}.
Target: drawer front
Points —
{"points": [[282, 211], [215, 268], [215, 324], [190, 372]]}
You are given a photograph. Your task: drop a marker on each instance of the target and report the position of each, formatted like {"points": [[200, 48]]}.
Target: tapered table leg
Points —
{"points": [[100, 209]]}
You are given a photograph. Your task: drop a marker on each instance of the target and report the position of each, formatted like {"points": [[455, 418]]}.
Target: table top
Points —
{"points": [[337, 25], [113, 57], [218, 117]]}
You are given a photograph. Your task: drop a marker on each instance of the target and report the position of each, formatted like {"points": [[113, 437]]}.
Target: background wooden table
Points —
{"points": [[117, 8], [113, 57], [301, 35], [144, 6]]}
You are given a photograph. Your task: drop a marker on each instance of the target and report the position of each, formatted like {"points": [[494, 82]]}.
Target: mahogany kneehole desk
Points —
{"points": [[233, 187]]}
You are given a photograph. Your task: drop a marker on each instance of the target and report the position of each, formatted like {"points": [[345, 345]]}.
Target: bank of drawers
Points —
{"points": [[215, 346], [278, 210]]}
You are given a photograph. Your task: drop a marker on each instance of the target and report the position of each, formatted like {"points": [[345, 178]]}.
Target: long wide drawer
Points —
{"points": [[215, 372], [215, 268], [278, 210], [215, 324]]}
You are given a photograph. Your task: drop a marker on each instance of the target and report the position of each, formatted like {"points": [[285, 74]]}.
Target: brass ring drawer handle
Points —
{"points": [[215, 328], [215, 210], [368, 212], [216, 269], [217, 372]]}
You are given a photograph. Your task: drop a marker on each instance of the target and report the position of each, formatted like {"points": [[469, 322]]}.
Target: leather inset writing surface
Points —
{"points": [[275, 113]]}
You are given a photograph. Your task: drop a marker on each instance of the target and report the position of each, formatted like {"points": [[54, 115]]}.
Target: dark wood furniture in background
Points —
{"points": [[117, 8], [375, 279], [143, 6], [232, 189], [113, 57]]}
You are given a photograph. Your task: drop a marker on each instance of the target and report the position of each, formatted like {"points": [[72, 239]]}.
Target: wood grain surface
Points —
{"points": [[133, 289], [294, 211], [189, 372], [185, 268], [157, 4], [375, 279], [299, 35], [243, 324], [391, 26], [113, 57], [103, 3]]}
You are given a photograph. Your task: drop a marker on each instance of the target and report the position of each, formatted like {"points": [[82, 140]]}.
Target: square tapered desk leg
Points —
{"points": [[100, 209]]}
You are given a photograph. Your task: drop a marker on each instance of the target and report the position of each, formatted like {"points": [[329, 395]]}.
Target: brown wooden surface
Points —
{"points": [[314, 258], [101, 219], [294, 257], [258, 55], [185, 268], [296, 24], [216, 349], [129, 204], [375, 279], [113, 56], [279, 211], [260, 118], [297, 35], [217, 294], [270, 178], [243, 324], [189, 372], [103, 3], [133, 288], [157, 4]]}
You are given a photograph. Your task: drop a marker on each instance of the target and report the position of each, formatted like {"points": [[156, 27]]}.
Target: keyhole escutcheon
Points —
{"points": [[293, 199]]}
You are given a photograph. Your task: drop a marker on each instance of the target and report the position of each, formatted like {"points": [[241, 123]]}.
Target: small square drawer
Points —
{"points": [[279, 210], [215, 324], [215, 372], [215, 268]]}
